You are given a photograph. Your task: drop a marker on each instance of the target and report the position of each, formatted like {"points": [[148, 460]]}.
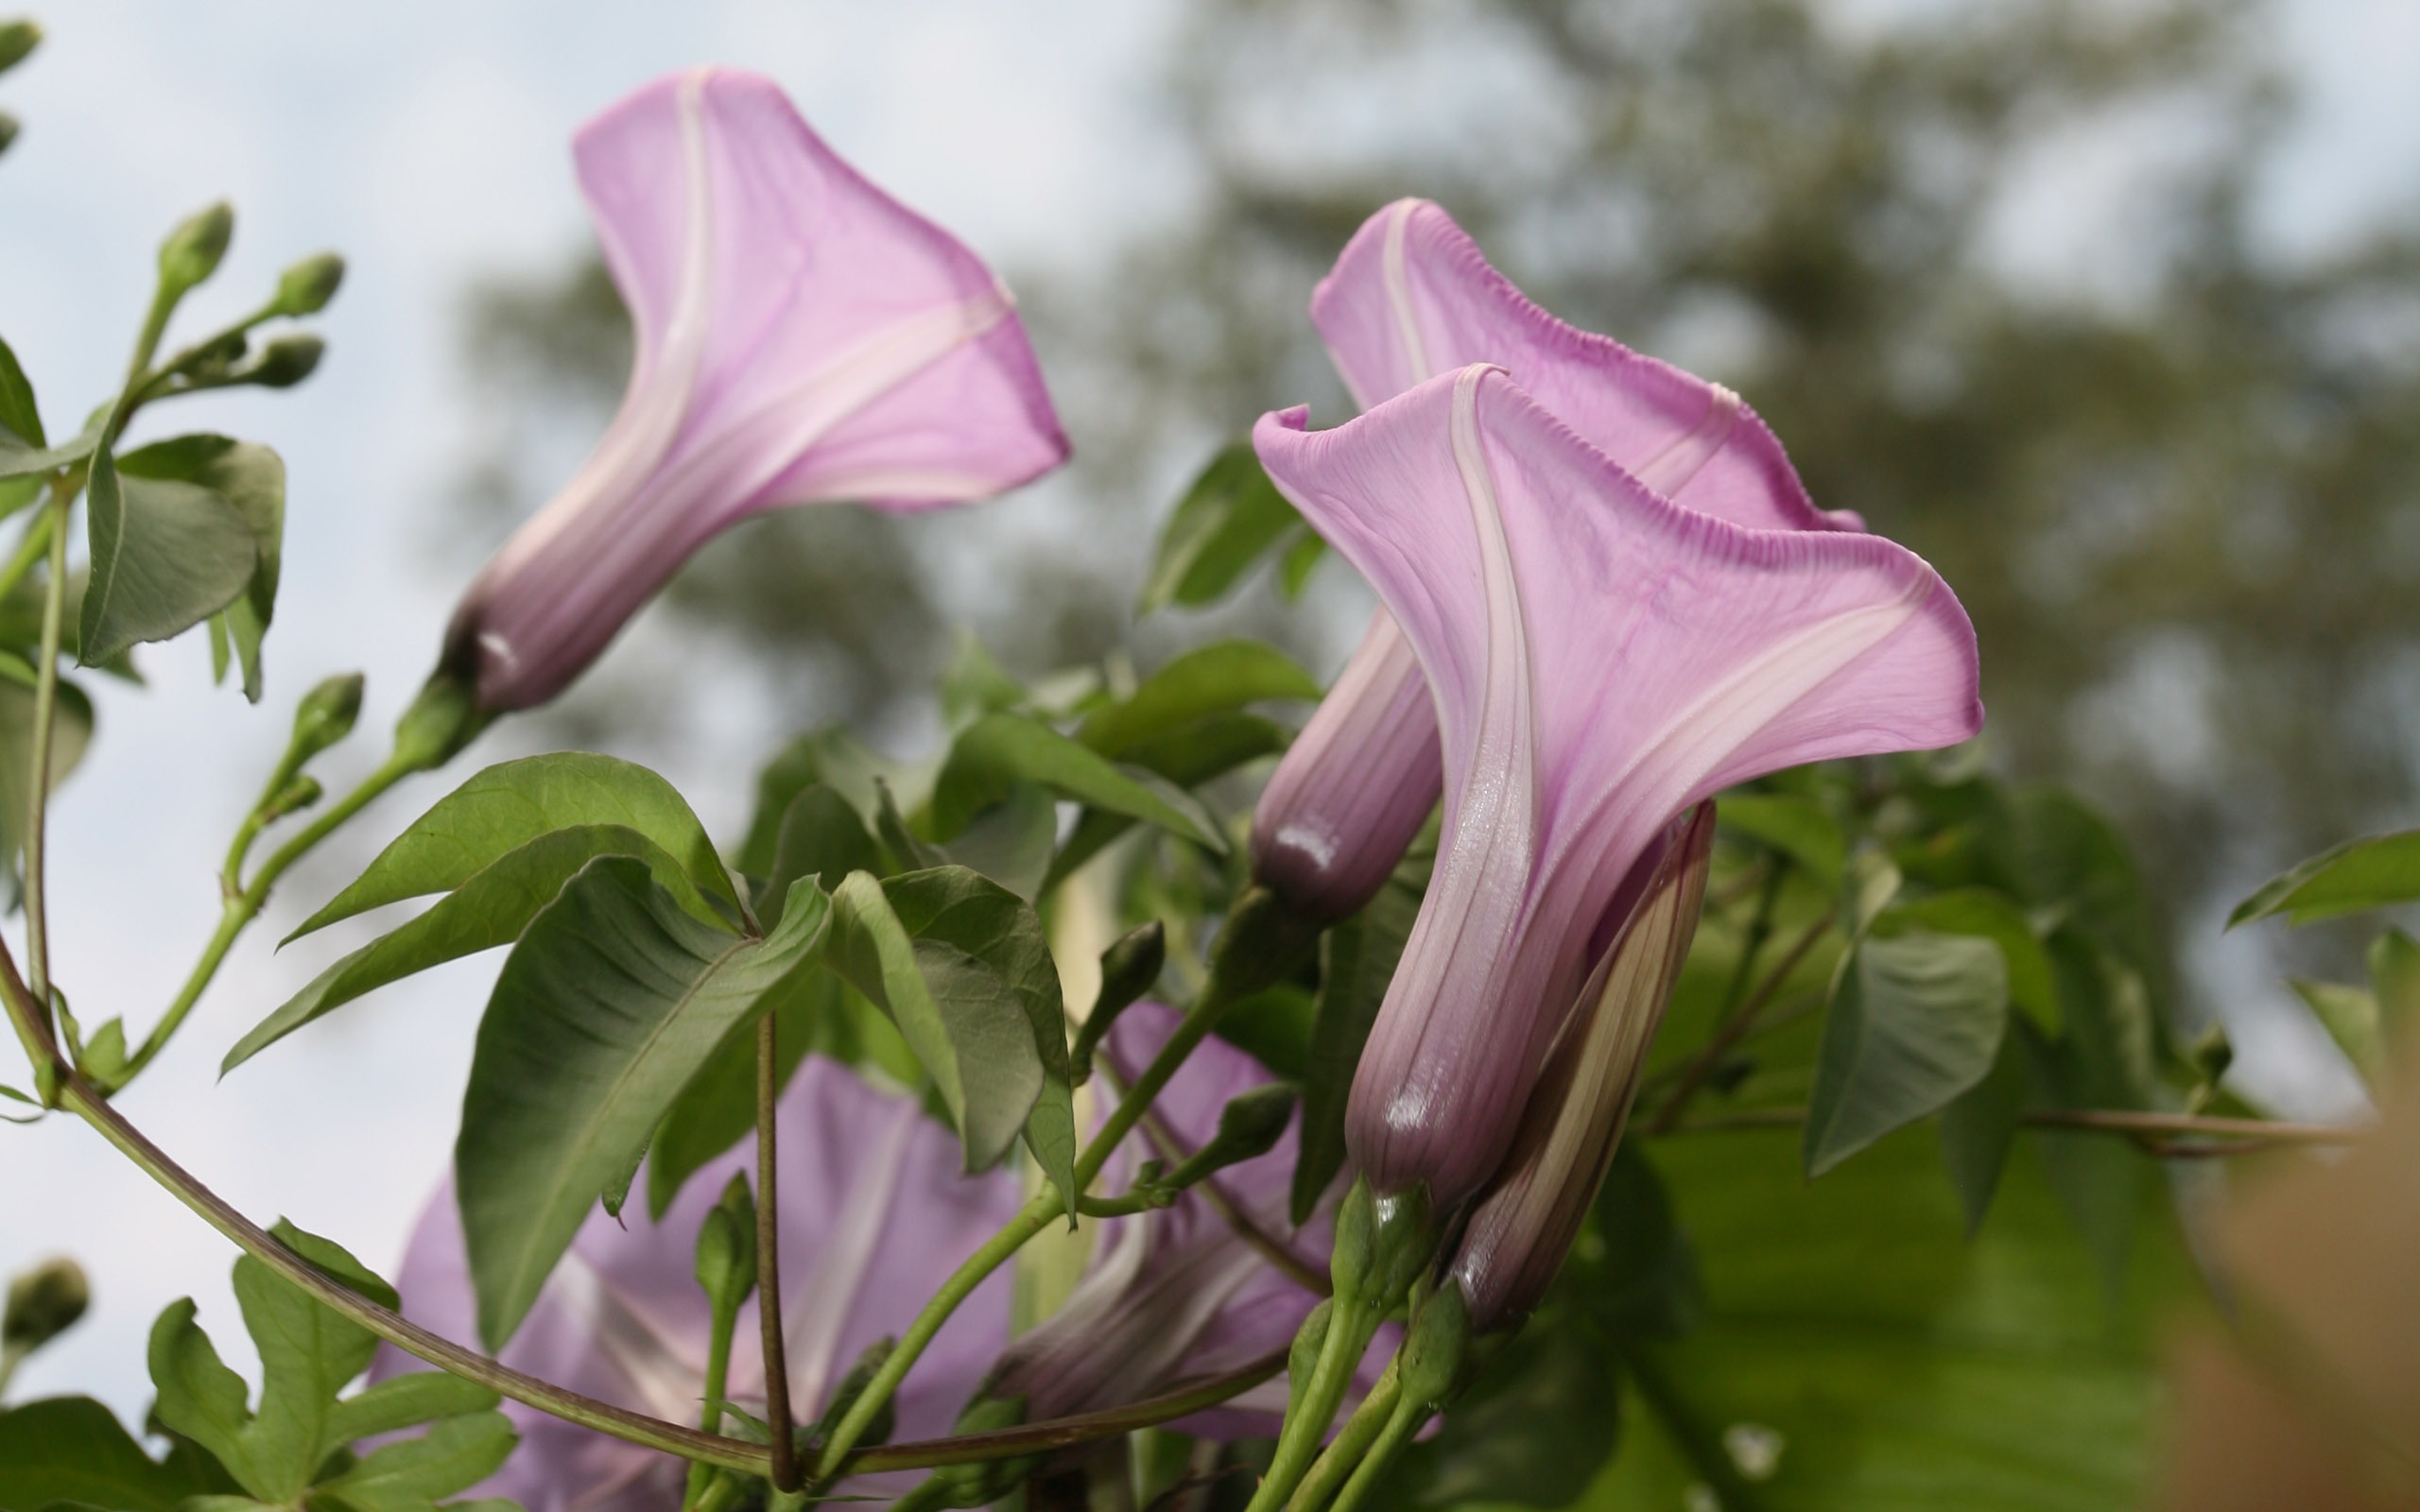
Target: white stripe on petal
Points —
{"points": [[1415, 349], [667, 1384], [1670, 471]]}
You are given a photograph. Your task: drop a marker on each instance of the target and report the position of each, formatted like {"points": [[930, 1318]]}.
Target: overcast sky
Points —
{"points": [[428, 143]]}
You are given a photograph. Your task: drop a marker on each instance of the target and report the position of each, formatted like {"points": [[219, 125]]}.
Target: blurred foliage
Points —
{"points": [[2173, 488]]}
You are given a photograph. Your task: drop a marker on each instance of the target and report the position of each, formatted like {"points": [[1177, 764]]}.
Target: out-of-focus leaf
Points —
{"points": [[2350, 1016], [514, 802], [1917, 1020], [1223, 676], [2105, 1060], [73, 1450], [1792, 825], [974, 684], [1859, 1354], [991, 756], [1012, 841], [2394, 981], [1228, 520], [1996, 917], [612, 1002], [71, 730], [834, 757], [821, 836], [1274, 1026], [491, 908], [2374, 872], [1978, 1130], [1358, 959]]}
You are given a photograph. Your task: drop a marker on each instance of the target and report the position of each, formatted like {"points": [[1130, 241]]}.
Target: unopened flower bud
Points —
{"points": [[326, 715], [293, 797], [727, 1249], [7, 129], [287, 361], [979, 1483], [17, 39], [1523, 1229], [1249, 1127], [191, 251], [1129, 970], [44, 1303], [307, 287], [1430, 1363]]}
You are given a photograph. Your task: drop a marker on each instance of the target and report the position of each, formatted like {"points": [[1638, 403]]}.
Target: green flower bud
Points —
{"points": [[44, 1303], [1128, 969], [307, 287], [1304, 1357], [727, 1249], [7, 129], [326, 715], [979, 1483], [191, 251], [1260, 945], [1248, 1125], [17, 39], [286, 361], [1430, 1363], [293, 797]]}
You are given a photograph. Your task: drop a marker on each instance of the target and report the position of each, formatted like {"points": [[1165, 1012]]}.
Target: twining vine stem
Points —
{"points": [[768, 1259]]}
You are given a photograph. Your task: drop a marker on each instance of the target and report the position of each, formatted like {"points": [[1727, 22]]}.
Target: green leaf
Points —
{"points": [[1189, 756], [822, 835], [1996, 917], [1214, 678], [491, 908], [406, 1402], [1358, 959], [961, 965], [308, 1352], [2105, 1060], [1915, 1020], [1295, 568], [1012, 841], [834, 757], [612, 999], [2394, 981], [165, 554], [2350, 1016], [1796, 826], [2374, 872], [19, 415], [974, 684], [199, 1397], [1877, 1360], [1228, 518], [514, 802], [1978, 1130], [413, 1475], [251, 478], [72, 1449], [997, 751]]}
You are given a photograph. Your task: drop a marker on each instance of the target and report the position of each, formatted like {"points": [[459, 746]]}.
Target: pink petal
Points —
{"points": [[1601, 660]]}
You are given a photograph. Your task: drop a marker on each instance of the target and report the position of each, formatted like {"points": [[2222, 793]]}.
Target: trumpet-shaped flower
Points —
{"points": [[802, 338], [1521, 1230], [1413, 297], [1600, 658], [874, 1216], [1189, 1290]]}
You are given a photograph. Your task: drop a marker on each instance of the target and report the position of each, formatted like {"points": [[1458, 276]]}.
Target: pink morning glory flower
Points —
{"points": [[1411, 297], [875, 1214], [802, 338], [1600, 658]]}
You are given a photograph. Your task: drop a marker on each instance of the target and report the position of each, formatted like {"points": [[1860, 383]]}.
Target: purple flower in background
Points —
{"points": [[802, 338], [874, 1216], [1601, 660], [1521, 1230], [1411, 297], [1183, 1293]]}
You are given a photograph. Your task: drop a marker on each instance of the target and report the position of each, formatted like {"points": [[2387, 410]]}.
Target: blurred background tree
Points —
{"points": [[2174, 482]]}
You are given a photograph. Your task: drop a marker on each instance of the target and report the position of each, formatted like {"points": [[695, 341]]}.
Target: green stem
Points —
{"points": [[769, 1260], [1702, 1066], [240, 909], [1404, 1422], [1336, 1463], [54, 601], [147, 344], [1031, 1220], [11, 1356], [636, 1428], [725, 1323], [1307, 1416], [30, 549]]}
